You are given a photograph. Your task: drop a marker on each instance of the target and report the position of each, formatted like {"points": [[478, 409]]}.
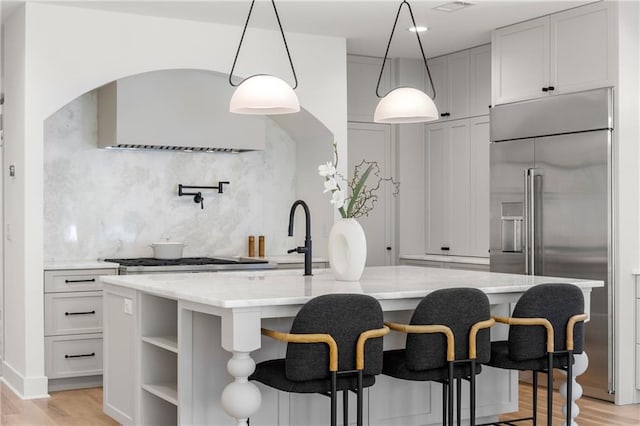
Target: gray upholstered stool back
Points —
{"points": [[458, 309], [555, 302], [344, 317]]}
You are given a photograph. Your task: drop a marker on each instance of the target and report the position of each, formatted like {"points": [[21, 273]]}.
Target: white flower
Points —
{"points": [[326, 169], [330, 185], [338, 198]]}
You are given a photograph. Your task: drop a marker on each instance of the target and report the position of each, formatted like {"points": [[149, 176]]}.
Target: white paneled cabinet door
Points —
{"points": [[582, 48], [362, 78], [458, 70], [373, 142], [520, 59], [479, 186], [459, 168], [437, 161], [479, 80], [457, 187], [440, 77]]}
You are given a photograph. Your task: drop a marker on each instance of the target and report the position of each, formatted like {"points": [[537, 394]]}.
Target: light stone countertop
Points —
{"points": [[447, 258], [288, 287], [288, 258], [78, 264]]}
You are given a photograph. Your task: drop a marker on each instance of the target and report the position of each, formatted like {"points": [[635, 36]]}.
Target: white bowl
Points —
{"points": [[167, 250]]}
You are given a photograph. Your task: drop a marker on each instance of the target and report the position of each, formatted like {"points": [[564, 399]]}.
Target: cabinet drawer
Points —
{"points": [[72, 356], [73, 313], [80, 280]]}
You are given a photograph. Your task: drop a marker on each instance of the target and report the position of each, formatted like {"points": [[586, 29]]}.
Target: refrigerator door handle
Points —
{"points": [[530, 208], [527, 221]]}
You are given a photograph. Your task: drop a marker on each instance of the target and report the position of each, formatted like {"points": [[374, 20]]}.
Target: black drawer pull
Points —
{"points": [[551, 88], [81, 355], [92, 280], [444, 248], [80, 313], [545, 89]]}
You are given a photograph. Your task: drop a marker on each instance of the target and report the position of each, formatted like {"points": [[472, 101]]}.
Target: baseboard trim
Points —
{"points": [[24, 387]]}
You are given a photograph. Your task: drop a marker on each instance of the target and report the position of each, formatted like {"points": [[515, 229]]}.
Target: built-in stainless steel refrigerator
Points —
{"points": [[551, 206]]}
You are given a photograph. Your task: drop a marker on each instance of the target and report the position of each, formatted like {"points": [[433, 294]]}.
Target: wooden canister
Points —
{"points": [[252, 246]]}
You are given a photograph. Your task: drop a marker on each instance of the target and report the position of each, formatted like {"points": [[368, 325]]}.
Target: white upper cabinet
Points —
{"points": [[520, 66], [582, 46], [564, 52], [479, 80], [450, 74], [463, 83], [362, 78], [440, 77]]}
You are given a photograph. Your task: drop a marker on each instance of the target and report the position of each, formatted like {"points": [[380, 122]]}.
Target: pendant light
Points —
{"points": [[263, 94], [405, 104]]}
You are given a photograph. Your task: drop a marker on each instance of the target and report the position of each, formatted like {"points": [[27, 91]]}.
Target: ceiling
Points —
{"points": [[366, 24]]}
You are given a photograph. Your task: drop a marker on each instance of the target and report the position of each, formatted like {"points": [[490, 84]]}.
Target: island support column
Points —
{"points": [[241, 336]]}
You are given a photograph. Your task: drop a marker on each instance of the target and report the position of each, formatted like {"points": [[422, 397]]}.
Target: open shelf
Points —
{"points": [[169, 343], [158, 411], [166, 391]]}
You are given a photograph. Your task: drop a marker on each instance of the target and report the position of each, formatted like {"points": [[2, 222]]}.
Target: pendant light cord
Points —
{"points": [[424, 58], [295, 78]]}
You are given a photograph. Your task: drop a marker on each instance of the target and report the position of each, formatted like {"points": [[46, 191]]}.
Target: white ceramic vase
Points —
{"points": [[347, 250]]}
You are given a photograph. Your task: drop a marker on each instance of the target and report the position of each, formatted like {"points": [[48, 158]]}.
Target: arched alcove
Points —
{"points": [[105, 203]]}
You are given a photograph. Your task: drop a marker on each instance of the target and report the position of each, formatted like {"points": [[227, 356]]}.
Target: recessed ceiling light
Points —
{"points": [[453, 6], [418, 29]]}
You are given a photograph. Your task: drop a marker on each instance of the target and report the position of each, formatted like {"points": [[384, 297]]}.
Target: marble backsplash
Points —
{"points": [[113, 203]]}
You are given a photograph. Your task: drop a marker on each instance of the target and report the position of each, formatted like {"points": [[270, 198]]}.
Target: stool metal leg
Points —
{"points": [[334, 420], [459, 400], [450, 395], [360, 391], [444, 403], [569, 387], [345, 407], [535, 398], [472, 394], [550, 389]]}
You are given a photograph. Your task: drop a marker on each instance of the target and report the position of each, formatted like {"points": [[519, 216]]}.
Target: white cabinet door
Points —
{"points": [[437, 161], [520, 61], [440, 76], [458, 85], [362, 78], [582, 48], [479, 186], [373, 142], [459, 168], [565, 52], [479, 80], [457, 187]]}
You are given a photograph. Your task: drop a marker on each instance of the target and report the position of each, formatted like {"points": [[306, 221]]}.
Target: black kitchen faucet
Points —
{"points": [[307, 237]]}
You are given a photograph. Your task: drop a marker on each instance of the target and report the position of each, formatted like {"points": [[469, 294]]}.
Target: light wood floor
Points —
{"points": [[84, 407]]}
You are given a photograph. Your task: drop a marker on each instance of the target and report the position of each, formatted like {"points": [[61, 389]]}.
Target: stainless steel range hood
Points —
{"points": [[175, 110]]}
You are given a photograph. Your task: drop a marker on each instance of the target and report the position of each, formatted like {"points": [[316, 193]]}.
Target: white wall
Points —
{"points": [[58, 53]]}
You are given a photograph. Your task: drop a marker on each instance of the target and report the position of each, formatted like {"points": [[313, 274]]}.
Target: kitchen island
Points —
{"points": [[179, 347]]}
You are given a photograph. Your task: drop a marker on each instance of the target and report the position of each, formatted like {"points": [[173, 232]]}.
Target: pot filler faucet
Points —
{"points": [[307, 237]]}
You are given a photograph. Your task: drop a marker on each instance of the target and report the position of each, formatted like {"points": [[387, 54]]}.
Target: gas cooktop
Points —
{"points": [[188, 264], [150, 261]]}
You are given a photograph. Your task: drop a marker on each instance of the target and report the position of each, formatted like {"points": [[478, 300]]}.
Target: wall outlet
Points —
{"points": [[128, 306]]}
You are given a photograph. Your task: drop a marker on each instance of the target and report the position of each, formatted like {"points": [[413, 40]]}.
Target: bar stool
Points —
{"points": [[447, 339], [545, 330], [334, 345]]}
